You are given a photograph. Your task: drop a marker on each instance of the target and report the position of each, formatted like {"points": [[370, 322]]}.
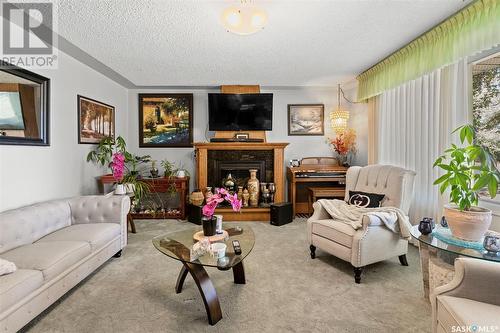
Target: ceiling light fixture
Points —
{"points": [[244, 19]]}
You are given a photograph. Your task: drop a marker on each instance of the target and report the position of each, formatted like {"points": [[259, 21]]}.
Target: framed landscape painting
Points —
{"points": [[165, 120], [306, 119], [96, 120]]}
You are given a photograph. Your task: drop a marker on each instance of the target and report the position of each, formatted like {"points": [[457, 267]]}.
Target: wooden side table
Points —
{"points": [[324, 192]]}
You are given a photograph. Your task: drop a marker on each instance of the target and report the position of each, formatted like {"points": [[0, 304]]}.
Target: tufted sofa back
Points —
{"points": [[28, 224], [93, 209], [394, 182]]}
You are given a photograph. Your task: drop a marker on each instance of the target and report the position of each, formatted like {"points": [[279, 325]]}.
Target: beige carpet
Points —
{"points": [[286, 291]]}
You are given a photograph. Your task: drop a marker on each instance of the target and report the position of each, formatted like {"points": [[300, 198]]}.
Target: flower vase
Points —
{"points": [[253, 188], [120, 189], [209, 224]]}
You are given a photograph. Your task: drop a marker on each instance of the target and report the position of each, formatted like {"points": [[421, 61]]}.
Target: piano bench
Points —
{"points": [[324, 193]]}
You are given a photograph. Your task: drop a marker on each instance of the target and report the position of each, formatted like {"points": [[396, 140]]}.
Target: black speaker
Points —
{"points": [[281, 213], [194, 214]]}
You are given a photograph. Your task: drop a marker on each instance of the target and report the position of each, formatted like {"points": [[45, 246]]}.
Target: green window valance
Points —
{"points": [[475, 28]]}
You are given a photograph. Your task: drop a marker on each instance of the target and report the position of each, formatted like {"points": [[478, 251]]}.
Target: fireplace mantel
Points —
{"points": [[247, 214]]}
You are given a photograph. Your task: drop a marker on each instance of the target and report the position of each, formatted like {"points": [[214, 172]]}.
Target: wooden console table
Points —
{"points": [[246, 214], [161, 185]]}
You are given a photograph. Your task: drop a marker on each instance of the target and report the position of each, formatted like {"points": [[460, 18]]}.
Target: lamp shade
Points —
{"points": [[338, 119]]}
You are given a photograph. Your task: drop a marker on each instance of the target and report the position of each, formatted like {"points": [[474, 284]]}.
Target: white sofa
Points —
{"points": [[55, 245]]}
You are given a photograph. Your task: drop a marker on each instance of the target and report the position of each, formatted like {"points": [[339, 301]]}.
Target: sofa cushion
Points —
{"points": [[28, 224], [15, 286], [52, 258], [456, 311], [96, 234]]}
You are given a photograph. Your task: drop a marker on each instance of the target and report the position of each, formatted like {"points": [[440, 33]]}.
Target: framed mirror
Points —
{"points": [[24, 107]]}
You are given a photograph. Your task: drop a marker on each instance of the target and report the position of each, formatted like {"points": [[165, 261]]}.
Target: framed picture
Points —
{"points": [[306, 119], [165, 120], [96, 120]]}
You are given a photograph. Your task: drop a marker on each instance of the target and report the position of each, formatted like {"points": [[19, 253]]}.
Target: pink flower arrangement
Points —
{"points": [[221, 195], [118, 166]]}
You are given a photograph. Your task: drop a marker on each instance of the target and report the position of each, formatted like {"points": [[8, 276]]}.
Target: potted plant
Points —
{"points": [[181, 172], [208, 220], [135, 161], [169, 168], [467, 170], [103, 154], [344, 144]]}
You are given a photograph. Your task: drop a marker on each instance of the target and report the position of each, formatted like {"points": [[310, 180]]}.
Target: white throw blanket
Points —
{"points": [[393, 218], [6, 267]]}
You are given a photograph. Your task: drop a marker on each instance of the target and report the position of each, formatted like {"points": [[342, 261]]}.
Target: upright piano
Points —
{"points": [[300, 178]]}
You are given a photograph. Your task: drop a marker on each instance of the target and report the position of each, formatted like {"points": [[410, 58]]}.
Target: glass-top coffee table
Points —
{"points": [[437, 258], [177, 245]]}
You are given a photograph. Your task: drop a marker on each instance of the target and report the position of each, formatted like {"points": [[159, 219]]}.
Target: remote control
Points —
{"points": [[236, 247]]}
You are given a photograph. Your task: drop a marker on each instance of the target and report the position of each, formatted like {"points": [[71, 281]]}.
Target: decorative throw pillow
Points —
{"points": [[364, 199]]}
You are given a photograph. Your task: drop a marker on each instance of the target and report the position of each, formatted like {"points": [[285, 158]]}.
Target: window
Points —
{"points": [[486, 105]]}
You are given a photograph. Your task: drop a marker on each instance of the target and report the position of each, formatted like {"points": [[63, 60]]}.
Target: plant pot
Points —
{"points": [[209, 225], [468, 225], [107, 179], [130, 188], [120, 189]]}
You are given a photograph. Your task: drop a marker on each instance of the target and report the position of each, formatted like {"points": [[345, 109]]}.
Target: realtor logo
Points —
{"points": [[28, 36]]}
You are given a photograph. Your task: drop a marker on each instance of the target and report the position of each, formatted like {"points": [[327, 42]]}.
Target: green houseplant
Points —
{"points": [[103, 155], [467, 171]]}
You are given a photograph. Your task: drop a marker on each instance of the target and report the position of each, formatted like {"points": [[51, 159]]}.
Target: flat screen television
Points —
{"points": [[240, 112]]}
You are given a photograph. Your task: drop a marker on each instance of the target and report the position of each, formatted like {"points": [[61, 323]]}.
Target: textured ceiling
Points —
{"points": [[306, 43]]}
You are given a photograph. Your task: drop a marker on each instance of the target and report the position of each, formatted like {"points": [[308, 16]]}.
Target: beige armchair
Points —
{"points": [[373, 242], [471, 301]]}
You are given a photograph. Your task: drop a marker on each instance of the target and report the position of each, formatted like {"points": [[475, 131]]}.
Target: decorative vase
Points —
{"points": [[253, 188], [196, 197], [468, 225], [209, 224], [492, 243], [228, 182], [154, 171], [120, 189], [245, 197], [425, 226], [181, 174], [208, 193], [240, 192]]}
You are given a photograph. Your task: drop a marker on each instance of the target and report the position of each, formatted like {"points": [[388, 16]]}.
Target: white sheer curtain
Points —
{"points": [[412, 125]]}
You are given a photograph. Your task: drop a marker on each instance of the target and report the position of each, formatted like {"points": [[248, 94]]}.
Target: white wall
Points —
{"points": [[299, 147], [33, 174]]}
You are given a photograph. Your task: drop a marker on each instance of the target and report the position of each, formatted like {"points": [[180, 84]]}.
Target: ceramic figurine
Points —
{"points": [[253, 188], [245, 197], [154, 171], [425, 226], [240, 192], [444, 223]]}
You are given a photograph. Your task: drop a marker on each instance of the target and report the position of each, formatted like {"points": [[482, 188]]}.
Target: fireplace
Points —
{"points": [[215, 160], [237, 163]]}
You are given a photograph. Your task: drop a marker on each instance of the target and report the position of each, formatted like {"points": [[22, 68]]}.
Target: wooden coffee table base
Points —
{"points": [[206, 288]]}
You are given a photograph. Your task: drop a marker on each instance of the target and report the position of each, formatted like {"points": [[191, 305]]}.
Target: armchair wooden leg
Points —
{"points": [[402, 260], [357, 274], [313, 251]]}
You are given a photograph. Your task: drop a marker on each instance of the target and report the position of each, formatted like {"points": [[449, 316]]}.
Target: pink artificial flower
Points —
{"points": [[209, 208], [118, 166], [215, 198], [222, 191], [235, 203]]}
